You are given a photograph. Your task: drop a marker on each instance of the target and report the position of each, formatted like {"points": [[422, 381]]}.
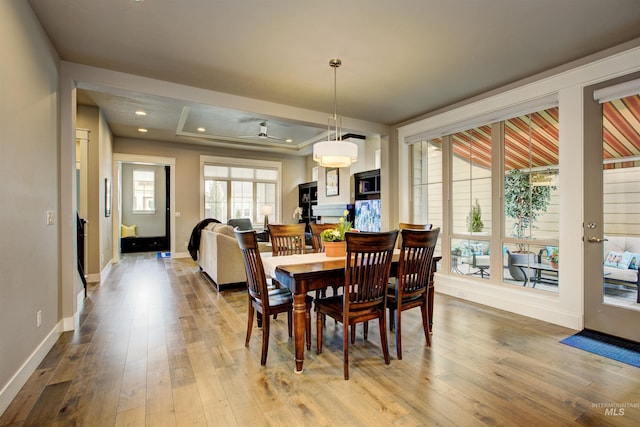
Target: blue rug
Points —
{"points": [[611, 347], [164, 254]]}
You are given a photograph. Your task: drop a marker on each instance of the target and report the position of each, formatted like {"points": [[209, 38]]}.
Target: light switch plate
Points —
{"points": [[51, 218]]}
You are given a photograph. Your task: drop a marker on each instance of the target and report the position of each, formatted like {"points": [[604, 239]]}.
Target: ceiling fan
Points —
{"points": [[263, 134]]}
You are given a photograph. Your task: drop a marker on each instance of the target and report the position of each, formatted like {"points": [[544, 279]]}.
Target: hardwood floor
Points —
{"points": [[158, 346]]}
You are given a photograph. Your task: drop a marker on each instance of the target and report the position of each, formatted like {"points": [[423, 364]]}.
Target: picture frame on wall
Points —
{"points": [[332, 177], [107, 197]]}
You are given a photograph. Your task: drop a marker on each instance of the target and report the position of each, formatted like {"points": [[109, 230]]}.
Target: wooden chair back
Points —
{"points": [[367, 268], [316, 240], [414, 266], [256, 276], [287, 239], [406, 225]]}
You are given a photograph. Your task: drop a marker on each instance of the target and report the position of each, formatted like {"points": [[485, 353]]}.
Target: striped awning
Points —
{"points": [[531, 141]]}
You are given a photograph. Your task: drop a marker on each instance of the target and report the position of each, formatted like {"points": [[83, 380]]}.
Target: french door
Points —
{"points": [[612, 220]]}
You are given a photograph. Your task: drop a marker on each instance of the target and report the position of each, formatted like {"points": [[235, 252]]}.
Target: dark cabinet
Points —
{"points": [[367, 185], [308, 197], [143, 244]]}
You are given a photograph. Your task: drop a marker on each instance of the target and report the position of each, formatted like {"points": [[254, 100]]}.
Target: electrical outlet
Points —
{"points": [[186, 244], [39, 318]]}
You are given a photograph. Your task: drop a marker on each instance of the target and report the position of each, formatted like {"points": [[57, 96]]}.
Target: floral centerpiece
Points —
{"points": [[333, 238]]}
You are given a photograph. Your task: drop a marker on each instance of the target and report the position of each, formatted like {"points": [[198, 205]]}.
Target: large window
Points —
{"points": [[144, 187], [529, 166], [234, 191]]}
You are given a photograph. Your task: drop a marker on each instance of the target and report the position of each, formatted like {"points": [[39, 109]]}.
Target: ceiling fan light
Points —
{"points": [[335, 154]]}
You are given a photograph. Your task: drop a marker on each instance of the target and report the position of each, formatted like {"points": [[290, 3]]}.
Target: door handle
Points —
{"points": [[592, 239]]}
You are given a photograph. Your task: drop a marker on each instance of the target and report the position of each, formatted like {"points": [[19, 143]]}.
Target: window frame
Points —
{"points": [[143, 211], [232, 162]]}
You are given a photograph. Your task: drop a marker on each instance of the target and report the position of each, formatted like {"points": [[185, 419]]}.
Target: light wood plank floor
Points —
{"points": [[158, 346]]}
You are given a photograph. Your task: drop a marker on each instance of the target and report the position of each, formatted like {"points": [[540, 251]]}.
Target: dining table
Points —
{"points": [[302, 273]]}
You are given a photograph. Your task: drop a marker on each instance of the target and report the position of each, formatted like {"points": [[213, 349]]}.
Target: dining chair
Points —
{"points": [[406, 225], [316, 229], [318, 246], [266, 302], [367, 267], [287, 239], [411, 287]]}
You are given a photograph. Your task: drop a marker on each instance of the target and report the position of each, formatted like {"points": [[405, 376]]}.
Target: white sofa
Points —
{"points": [[629, 248], [220, 258]]}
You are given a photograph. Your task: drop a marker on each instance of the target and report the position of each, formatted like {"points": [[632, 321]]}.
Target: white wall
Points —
{"points": [[29, 252]]}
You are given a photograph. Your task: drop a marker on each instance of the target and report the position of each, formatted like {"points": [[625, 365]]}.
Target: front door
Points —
{"points": [[612, 215]]}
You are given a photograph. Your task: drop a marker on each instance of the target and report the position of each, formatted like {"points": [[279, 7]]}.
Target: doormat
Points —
{"points": [[611, 347], [164, 254]]}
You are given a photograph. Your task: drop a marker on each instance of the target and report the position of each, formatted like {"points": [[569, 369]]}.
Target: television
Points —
{"points": [[367, 217]]}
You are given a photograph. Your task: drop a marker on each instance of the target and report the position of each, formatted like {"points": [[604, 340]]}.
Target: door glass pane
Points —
{"points": [[621, 201]]}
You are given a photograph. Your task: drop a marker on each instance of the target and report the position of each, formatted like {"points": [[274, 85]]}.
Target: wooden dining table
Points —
{"points": [[302, 273]]}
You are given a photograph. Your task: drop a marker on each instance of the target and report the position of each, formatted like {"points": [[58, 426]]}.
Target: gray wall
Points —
{"points": [[147, 225], [29, 248]]}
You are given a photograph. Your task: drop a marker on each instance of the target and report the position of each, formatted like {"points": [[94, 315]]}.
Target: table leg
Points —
{"points": [[299, 313]]}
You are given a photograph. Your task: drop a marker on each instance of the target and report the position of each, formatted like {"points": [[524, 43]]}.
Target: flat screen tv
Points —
{"points": [[367, 216]]}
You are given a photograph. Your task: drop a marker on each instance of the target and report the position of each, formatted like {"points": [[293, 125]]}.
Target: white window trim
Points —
{"points": [[234, 161]]}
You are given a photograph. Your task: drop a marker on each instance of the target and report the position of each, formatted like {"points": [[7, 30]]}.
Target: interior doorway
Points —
{"points": [[167, 164]]}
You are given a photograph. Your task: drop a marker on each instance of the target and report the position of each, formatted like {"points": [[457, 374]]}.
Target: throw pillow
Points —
{"points": [[634, 260], [618, 260], [476, 248], [129, 230]]}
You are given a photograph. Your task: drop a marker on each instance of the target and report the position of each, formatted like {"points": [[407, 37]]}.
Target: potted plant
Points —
{"points": [[333, 238], [554, 258], [474, 220], [524, 203]]}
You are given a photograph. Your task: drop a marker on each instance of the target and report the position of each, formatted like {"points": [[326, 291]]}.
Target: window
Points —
{"points": [[531, 227], [427, 182], [471, 200], [234, 190], [144, 184], [529, 145]]}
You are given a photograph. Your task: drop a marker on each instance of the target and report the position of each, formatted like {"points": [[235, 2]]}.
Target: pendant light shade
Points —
{"points": [[335, 153]]}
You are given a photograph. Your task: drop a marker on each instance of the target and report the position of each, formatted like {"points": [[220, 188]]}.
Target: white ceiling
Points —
{"points": [[401, 58]]}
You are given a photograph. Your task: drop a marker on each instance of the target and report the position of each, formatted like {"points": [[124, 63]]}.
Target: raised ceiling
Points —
{"points": [[402, 59]]}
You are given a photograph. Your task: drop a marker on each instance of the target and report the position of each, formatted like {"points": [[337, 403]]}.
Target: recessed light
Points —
{"points": [[289, 140], [140, 113], [143, 130], [201, 129]]}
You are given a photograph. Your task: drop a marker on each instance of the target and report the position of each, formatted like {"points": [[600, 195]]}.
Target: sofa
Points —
{"points": [[622, 260], [219, 256]]}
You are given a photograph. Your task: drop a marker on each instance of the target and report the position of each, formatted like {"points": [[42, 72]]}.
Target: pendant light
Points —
{"points": [[335, 153]]}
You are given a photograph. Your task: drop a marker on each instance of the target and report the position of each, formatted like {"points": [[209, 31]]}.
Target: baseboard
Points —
{"points": [[93, 278], [540, 306], [181, 255], [19, 379]]}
